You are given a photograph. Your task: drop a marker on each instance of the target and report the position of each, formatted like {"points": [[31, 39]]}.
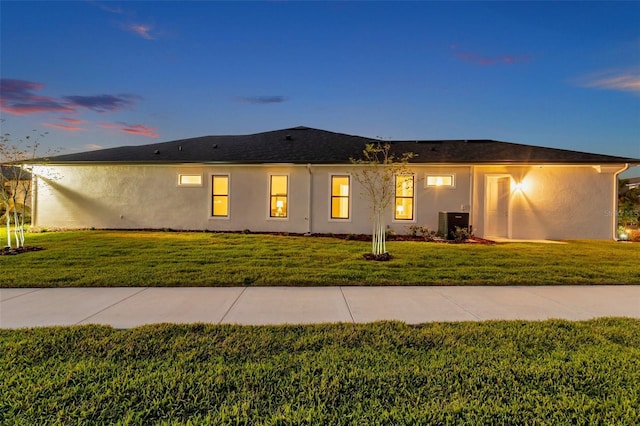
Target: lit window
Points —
{"points": [[440, 181], [278, 190], [404, 198], [189, 180], [339, 197], [220, 195]]}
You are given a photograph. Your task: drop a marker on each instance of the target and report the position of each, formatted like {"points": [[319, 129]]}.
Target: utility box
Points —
{"points": [[448, 221]]}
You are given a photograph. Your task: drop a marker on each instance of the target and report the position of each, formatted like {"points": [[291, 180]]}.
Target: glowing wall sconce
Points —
{"points": [[519, 186]]}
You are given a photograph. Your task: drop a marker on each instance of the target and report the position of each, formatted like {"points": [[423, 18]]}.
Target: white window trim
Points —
{"points": [[453, 181], [338, 219], [189, 185], [285, 218], [211, 216], [415, 204]]}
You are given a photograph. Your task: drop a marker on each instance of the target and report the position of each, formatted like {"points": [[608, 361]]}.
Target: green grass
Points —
{"points": [[552, 372], [130, 258]]}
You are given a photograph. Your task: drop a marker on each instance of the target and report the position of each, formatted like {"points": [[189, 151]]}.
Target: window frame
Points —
{"points": [[412, 197], [271, 196], [190, 185], [332, 197], [227, 195], [436, 175]]}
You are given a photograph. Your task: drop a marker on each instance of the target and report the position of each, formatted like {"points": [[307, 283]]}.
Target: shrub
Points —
{"points": [[461, 234], [422, 231]]}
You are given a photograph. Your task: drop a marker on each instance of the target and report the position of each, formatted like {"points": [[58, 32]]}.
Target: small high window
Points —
{"points": [[189, 180], [404, 197], [339, 197], [440, 181], [220, 195], [278, 194]]}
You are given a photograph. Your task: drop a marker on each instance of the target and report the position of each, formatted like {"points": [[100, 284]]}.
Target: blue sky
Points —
{"points": [[102, 74]]}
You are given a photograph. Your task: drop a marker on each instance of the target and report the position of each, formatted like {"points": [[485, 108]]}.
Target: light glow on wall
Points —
{"points": [[520, 186]]}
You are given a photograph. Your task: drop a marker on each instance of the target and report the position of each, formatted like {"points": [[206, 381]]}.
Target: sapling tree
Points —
{"points": [[16, 183], [375, 171]]}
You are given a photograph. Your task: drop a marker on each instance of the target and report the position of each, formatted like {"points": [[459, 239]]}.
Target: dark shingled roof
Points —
{"points": [[302, 145]]}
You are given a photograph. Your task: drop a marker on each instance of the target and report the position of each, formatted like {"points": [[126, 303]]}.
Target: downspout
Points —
{"points": [[34, 197], [471, 175], [615, 200], [309, 195]]}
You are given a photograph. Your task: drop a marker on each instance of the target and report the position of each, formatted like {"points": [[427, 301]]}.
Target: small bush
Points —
{"points": [[461, 234], [422, 231]]}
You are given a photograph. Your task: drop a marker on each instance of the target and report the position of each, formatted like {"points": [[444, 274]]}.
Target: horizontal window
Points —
{"points": [[437, 181], [189, 180]]}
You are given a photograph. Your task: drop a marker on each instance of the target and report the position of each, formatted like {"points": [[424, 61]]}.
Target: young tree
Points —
{"points": [[376, 172], [16, 183]]}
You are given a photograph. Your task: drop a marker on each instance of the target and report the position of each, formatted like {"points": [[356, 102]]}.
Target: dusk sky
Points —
{"points": [[103, 74]]}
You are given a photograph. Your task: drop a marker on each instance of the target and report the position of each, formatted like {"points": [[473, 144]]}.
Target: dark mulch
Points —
{"points": [[379, 257], [10, 251]]}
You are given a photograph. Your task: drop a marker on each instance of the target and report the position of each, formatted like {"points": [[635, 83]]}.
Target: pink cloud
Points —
{"points": [[71, 120], [142, 30], [64, 127], [624, 80], [17, 97], [134, 129]]}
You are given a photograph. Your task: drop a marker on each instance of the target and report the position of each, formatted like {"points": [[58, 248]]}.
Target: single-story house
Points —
{"points": [[300, 180]]}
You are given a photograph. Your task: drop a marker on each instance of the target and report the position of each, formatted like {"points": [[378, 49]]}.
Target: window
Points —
{"points": [[404, 197], [278, 191], [339, 197], [440, 181], [189, 180], [220, 195]]}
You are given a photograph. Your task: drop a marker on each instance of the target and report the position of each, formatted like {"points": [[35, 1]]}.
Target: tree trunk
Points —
{"points": [[379, 245], [8, 220], [16, 228]]}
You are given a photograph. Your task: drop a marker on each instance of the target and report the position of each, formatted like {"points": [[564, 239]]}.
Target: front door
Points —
{"points": [[497, 206]]}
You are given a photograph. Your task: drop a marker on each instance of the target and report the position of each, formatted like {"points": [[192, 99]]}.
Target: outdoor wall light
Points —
{"points": [[519, 186]]}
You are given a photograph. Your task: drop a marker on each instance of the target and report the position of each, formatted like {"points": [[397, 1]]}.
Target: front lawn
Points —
{"points": [[132, 258], [507, 372]]}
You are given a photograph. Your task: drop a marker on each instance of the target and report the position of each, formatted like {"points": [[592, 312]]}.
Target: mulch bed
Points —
{"points": [[10, 251]]}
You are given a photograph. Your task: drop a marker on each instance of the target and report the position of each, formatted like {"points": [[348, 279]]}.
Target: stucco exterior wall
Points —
{"points": [[148, 196], [141, 196], [554, 202]]}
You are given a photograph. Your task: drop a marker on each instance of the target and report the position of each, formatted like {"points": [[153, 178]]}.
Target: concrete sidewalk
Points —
{"points": [[128, 307]]}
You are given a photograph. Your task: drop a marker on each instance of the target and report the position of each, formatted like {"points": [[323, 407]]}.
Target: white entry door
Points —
{"points": [[497, 206]]}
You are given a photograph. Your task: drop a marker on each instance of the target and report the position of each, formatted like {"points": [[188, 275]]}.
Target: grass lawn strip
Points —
{"points": [[131, 258], [508, 372]]}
